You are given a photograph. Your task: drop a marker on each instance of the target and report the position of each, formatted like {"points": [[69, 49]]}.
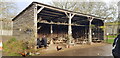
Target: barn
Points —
{"points": [[40, 19]]}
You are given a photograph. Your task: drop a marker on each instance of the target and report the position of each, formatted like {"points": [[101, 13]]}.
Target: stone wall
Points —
{"points": [[23, 25]]}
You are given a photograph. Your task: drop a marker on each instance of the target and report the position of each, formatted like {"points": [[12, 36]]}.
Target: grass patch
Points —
{"points": [[111, 36], [12, 47], [14, 54], [110, 41]]}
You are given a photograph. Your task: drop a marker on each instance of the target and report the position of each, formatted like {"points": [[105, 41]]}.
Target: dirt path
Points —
{"points": [[83, 50]]}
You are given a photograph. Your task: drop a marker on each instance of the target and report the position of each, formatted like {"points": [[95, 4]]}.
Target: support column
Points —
{"points": [[70, 16], [90, 30], [35, 23], [12, 27], [51, 29], [69, 26], [51, 32], [70, 29], [1, 28], [35, 20], [104, 31]]}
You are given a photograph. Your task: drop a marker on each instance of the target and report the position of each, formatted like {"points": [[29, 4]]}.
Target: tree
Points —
{"points": [[7, 9], [99, 9], [65, 5], [7, 12]]}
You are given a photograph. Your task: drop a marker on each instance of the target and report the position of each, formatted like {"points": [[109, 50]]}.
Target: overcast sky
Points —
{"points": [[22, 4]]}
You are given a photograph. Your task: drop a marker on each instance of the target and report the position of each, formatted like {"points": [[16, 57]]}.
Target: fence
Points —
{"points": [[6, 32], [6, 28]]}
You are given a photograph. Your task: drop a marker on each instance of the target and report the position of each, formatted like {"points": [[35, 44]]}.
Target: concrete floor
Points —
{"points": [[100, 50]]}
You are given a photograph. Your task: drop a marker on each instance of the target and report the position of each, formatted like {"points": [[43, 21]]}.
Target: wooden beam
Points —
{"points": [[1, 27], [69, 22], [70, 16], [39, 27], [49, 15], [46, 17], [40, 9], [52, 12], [69, 26], [35, 23], [60, 23], [104, 31], [67, 14], [68, 11], [51, 29], [12, 27]]}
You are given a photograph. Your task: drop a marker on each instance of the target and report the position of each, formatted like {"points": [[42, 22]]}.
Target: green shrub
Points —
{"points": [[12, 47], [14, 54], [12, 40]]}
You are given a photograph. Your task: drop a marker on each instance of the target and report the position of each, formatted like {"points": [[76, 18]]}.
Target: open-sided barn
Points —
{"points": [[40, 19]]}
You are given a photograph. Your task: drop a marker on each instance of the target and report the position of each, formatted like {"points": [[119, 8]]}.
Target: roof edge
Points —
{"points": [[22, 11], [34, 2]]}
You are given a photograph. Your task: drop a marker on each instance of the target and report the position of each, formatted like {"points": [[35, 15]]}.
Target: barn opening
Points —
{"points": [[53, 23]]}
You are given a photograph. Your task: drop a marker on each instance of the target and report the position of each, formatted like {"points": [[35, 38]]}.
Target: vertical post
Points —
{"points": [[1, 27], [1, 30], [12, 28], [70, 29], [69, 26], [70, 16], [51, 29], [90, 31], [35, 22], [104, 31], [51, 32]]}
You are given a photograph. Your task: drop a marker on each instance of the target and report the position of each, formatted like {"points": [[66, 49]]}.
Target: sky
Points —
{"points": [[22, 4]]}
